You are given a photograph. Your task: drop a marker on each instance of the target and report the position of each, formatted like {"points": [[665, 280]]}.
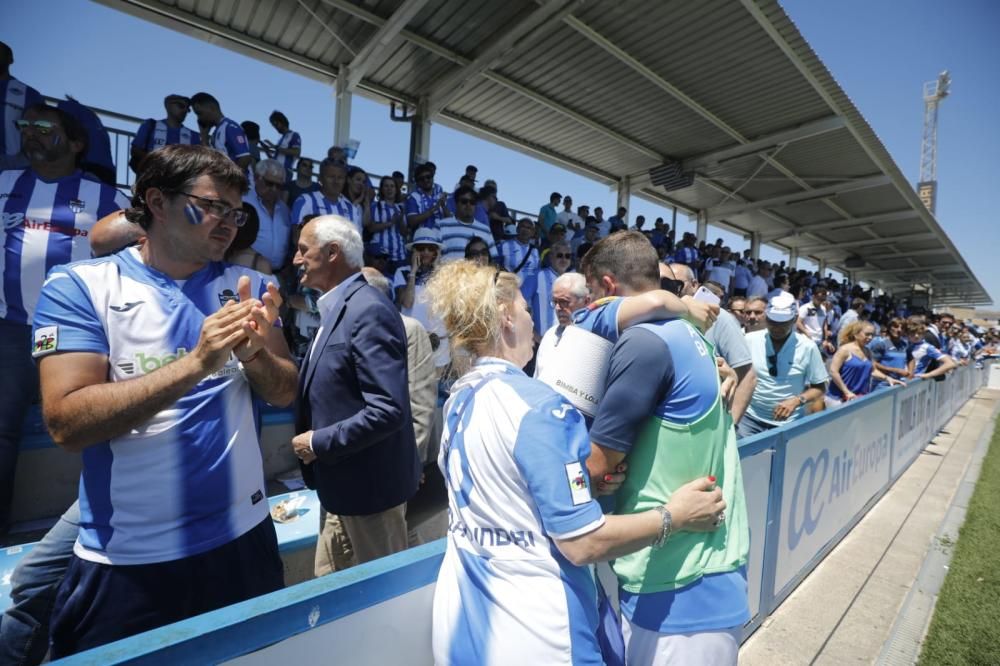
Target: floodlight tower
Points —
{"points": [[934, 92]]}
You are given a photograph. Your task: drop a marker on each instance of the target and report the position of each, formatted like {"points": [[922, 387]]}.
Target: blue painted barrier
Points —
{"points": [[807, 484]]}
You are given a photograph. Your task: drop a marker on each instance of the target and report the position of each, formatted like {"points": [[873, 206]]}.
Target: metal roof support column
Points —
{"points": [[342, 112], [420, 137], [624, 192], [701, 228], [793, 258], [822, 268], [755, 245]]}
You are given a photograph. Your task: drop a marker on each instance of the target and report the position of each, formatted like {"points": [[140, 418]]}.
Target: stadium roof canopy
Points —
{"points": [[718, 107]]}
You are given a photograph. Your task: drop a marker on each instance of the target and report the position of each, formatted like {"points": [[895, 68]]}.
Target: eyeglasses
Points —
{"points": [[218, 209], [43, 127], [562, 255], [426, 248], [273, 184], [465, 202], [564, 303], [772, 365]]}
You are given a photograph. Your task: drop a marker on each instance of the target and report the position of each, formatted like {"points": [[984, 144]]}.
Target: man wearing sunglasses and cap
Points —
{"points": [[149, 362], [153, 134], [790, 370]]}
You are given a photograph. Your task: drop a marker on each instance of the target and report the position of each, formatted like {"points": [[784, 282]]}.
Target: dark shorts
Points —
{"points": [[100, 603]]}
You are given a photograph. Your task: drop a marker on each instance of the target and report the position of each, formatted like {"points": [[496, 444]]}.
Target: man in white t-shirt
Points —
{"points": [[567, 217], [813, 321]]}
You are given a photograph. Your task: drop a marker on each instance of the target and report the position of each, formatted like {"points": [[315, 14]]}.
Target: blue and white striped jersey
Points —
{"points": [[542, 313], [513, 455], [191, 478], [390, 240], [16, 97], [229, 139], [455, 235], [289, 139], [419, 202], [45, 224], [154, 134], [512, 253], [316, 203]]}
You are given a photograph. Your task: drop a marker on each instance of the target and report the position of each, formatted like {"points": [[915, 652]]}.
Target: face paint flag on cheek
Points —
{"points": [[194, 214]]}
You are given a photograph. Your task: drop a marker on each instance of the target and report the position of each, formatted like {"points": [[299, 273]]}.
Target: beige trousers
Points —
{"points": [[348, 540]]}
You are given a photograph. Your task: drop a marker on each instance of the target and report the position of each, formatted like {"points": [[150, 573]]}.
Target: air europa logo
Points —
{"points": [[812, 494]]}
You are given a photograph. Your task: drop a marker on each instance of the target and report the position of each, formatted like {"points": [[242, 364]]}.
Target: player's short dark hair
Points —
{"points": [[204, 98], [279, 116], [628, 256]]}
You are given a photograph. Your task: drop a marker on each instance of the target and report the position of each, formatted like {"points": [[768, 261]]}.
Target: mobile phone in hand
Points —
{"points": [[706, 296]]}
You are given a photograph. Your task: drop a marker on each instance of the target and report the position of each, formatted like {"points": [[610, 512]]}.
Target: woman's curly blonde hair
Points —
{"points": [[469, 299]]}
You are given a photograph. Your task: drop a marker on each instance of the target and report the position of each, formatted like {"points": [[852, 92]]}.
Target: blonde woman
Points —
{"points": [[514, 586], [852, 369]]}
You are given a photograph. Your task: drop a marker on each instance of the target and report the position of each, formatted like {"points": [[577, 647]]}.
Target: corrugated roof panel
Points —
{"points": [[743, 62]]}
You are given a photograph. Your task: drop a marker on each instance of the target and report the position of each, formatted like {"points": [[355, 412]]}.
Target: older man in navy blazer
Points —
{"points": [[355, 441]]}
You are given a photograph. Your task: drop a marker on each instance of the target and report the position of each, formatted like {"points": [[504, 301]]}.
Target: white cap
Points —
{"points": [[782, 308], [425, 236]]}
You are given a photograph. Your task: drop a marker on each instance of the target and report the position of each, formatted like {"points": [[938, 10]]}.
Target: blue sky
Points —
{"points": [[880, 52]]}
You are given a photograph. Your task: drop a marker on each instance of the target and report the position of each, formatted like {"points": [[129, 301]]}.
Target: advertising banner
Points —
{"points": [[914, 424], [831, 471], [756, 486]]}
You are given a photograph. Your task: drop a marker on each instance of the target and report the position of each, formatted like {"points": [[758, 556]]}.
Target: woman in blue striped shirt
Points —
{"points": [[386, 224]]}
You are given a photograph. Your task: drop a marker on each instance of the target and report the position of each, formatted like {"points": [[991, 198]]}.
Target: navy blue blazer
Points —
{"points": [[354, 396]]}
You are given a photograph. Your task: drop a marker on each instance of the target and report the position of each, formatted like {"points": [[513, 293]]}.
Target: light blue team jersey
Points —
{"points": [[543, 315], [512, 253], [924, 353], [45, 224], [190, 479], [389, 240], [16, 97], [455, 235], [154, 134], [894, 355], [419, 202], [715, 600], [289, 139], [229, 139], [316, 203], [513, 455]]}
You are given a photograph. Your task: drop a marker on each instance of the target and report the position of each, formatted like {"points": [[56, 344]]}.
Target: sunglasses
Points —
{"points": [[218, 209], [673, 286], [465, 202], [772, 365], [477, 253], [561, 303], [43, 127]]}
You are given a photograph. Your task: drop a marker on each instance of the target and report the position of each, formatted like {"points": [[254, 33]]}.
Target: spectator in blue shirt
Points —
{"points": [[169, 131], [289, 145], [548, 213], [227, 136], [891, 353]]}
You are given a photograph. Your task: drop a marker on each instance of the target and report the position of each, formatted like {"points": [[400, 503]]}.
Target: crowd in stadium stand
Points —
{"points": [[794, 342]]}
